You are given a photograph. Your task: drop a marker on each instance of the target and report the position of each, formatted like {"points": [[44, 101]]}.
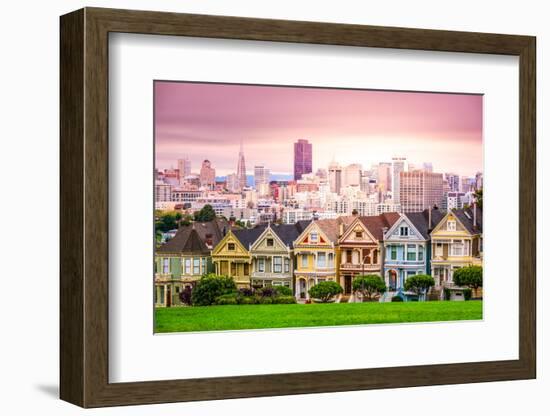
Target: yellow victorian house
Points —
{"points": [[231, 256], [456, 241], [315, 255]]}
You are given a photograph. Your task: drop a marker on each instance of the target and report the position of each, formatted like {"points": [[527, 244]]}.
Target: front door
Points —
{"points": [[168, 297], [347, 285], [392, 279]]}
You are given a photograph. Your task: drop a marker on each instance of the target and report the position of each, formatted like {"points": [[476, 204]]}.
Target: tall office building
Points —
{"points": [[398, 166], [335, 177], [454, 181], [207, 175], [384, 177], [352, 175], [303, 156], [241, 169], [420, 190], [261, 175]]}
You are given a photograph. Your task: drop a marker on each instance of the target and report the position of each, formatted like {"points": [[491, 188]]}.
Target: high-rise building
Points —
{"points": [[384, 177], [352, 175], [232, 183], [466, 184], [241, 169], [335, 177], [479, 180], [261, 175], [420, 190], [454, 181], [398, 166], [303, 156], [184, 168], [427, 166], [207, 175]]}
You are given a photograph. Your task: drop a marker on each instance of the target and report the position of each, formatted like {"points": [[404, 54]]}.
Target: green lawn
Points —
{"points": [[212, 318]]}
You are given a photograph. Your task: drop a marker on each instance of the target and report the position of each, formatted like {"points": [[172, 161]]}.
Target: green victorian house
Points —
{"points": [[185, 258]]}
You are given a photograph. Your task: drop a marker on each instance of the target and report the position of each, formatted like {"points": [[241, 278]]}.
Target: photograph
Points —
{"points": [[282, 206]]}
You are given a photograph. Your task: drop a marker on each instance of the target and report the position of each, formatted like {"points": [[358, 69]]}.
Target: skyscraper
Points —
{"points": [[384, 176], [261, 176], [302, 158], [184, 168], [398, 166], [241, 169], [454, 181], [207, 175], [352, 175], [420, 190], [335, 177]]}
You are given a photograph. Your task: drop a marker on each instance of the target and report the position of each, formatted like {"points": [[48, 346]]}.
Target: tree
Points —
{"points": [[211, 286], [167, 221], [369, 285], [470, 276], [325, 291], [206, 214], [478, 194], [419, 283]]}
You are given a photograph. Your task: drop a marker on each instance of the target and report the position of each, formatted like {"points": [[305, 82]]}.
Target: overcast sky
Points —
{"points": [[208, 121]]}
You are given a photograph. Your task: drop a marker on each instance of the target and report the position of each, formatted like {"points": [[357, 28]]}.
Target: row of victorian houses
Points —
{"points": [[394, 246]]}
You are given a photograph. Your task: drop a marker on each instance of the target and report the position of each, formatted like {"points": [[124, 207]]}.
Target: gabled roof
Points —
{"points": [[420, 220], [466, 217], [287, 232], [248, 236], [331, 227], [376, 224], [192, 239]]}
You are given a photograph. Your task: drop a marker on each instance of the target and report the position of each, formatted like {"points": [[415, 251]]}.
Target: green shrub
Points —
{"points": [[325, 291], [467, 294], [369, 285], [210, 287], [246, 300], [397, 299], [471, 276], [284, 299], [229, 299], [419, 283], [283, 290], [265, 300]]}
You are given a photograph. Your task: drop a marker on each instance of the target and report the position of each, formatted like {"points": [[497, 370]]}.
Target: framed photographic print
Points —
{"points": [[254, 207]]}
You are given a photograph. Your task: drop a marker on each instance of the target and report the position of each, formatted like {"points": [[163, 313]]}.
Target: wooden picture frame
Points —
{"points": [[84, 207]]}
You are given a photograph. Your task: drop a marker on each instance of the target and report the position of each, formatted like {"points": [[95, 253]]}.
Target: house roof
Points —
{"points": [[331, 227], [466, 217], [288, 232], [420, 220], [377, 223], [247, 236], [193, 238]]}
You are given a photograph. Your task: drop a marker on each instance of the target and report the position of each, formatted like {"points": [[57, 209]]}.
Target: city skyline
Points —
{"points": [[210, 121]]}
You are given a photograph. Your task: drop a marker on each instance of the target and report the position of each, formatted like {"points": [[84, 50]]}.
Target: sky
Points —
{"points": [[208, 121]]}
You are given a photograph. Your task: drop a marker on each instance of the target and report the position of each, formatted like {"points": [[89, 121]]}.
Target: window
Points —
{"points": [[204, 265], [314, 237], [277, 264], [165, 266], [187, 266], [261, 265], [404, 231], [393, 252], [359, 234], [439, 249], [375, 257], [177, 289], [269, 242], [451, 225], [287, 265], [321, 260], [420, 253], [304, 260], [231, 246], [233, 269], [162, 295], [411, 252], [196, 265], [246, 271], [330, 260], [457, 248]]}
